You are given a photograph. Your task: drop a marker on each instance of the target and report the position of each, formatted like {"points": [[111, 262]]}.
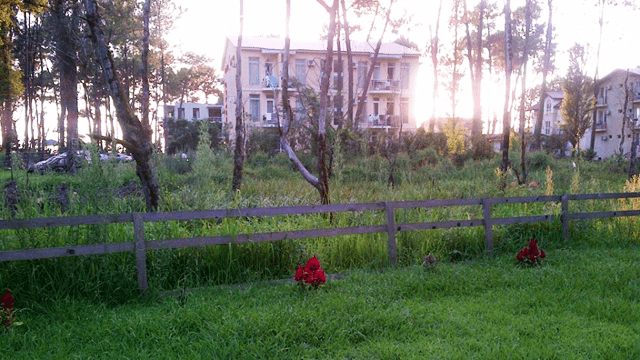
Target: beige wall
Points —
{"points": [[312, 79], [607, 141]]}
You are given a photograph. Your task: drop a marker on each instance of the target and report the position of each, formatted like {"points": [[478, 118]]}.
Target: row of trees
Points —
{"points": [[47, 55]]}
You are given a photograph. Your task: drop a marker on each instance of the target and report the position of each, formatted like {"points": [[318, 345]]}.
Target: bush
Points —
{"points": [[423, 157], [539, 161]]}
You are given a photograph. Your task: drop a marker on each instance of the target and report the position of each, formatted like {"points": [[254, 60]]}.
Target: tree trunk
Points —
{"points": [[347, 35], [523, 147], [594, 117], [547, 59], [434, 60], [238, 156], [145, 65], [506, 118], [136, 137], [476, 128], [374, 61]]}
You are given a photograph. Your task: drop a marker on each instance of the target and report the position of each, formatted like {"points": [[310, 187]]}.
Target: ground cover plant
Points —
{"points": [[579, 303], [270, 181]]}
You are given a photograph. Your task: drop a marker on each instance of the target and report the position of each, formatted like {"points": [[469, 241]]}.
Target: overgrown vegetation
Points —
{"points": [[423, 171]]}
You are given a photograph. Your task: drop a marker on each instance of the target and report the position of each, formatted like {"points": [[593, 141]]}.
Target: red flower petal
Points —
{"points": [[313, 264], [299, 274], [542, 254], [7, 300]]}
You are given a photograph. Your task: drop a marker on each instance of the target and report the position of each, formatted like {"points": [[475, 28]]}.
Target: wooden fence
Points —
{"points": [[140, 245]]}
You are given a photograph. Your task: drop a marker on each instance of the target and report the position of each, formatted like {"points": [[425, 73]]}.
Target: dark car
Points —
{"points": [[58, 163]]}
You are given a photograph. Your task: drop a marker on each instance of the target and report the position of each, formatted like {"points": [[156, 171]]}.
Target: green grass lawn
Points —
{"points": [[581, 303]]}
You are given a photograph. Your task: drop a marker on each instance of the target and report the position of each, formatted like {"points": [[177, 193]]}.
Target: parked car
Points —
{"points": [[58, 163]]}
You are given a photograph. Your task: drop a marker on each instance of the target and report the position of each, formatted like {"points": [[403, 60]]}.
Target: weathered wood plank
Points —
{"points": [[65, 221], [32, 254], [141, 251], [439, 225], [261, 237], [270, 211], [603, 214], [603, 196]]}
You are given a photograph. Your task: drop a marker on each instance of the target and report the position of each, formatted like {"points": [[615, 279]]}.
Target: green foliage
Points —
{"points": [[184, 135], [263, 140], [538, 161], [455, 133]]}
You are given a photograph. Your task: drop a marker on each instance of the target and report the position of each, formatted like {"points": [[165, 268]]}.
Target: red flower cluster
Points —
{"points": [[311, 274], [7, 307], [531, 254]]}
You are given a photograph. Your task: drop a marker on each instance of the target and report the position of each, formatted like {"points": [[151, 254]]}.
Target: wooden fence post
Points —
{"points": [[564, 217], [391, 233], [141, 251], [488, 226]]}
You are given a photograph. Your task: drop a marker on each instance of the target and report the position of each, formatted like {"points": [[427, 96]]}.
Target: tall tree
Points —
{"points": [[321, 182], [145, 64], [525, 60], [506, 119], [475, 65], [66, 42], [452, 62], [136, 137], [238, 155], [545, 69], [434, 47], [577, 102]]}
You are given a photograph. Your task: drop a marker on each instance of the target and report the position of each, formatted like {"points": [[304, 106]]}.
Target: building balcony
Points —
{"points": [[270, 83], [382, 121], [602, 101], [601, 126], [384, 86]]}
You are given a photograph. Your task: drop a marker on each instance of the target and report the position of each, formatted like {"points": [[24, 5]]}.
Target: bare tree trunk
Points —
{"points": [[625, 112], [434, 59], [506, 120], [374, 61], [321, 183], [238, 156], [145, 65], [476, 128], [347, 34], [547, 59], [136, 137], [523, 146], [594, 117]]}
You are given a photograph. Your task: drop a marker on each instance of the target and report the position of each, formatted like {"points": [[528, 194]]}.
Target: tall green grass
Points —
{"points": [[197, 184]]}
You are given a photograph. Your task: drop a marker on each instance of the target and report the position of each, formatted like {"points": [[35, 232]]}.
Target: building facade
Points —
{"points": [[389, 101], [615, 132]]}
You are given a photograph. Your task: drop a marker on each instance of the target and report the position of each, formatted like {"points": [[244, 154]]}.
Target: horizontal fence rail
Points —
{"points": [[140, 245]]}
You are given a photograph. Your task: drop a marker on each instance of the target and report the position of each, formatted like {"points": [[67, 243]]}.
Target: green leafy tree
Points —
{"points": [[578, 101]]}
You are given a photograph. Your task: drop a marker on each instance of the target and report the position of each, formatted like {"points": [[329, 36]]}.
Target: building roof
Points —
{"points": [[263, 43], [634, 71], [556, 94]]}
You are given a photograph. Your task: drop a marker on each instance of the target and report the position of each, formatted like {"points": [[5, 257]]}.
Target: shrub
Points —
{"points": [[539, 160]]}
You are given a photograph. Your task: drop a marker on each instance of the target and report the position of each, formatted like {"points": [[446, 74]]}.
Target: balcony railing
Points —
{"points": [[384, 85], [601, 126], [382, 121], [270, 82], [602, 101]]}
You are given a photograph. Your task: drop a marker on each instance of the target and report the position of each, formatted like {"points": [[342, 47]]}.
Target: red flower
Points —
{"points": [[299, 274], [313, 264], [542, 254], [320, 276], [7, 300]]}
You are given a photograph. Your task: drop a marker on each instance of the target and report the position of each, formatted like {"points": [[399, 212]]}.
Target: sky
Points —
{"points": [[206, 24]]}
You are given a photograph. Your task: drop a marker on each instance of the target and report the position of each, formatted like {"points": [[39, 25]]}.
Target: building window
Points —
{"points": [[547, 124], [376, 106], [254, 71], [404, 110], [196, 114], [405, 75], [337, 109], [602, 95], [548, 107], [601, 123], [268, 69], [391, 68], [181, 113], [376, 72], [301, 71], [337, 74], [362, 73], [254, 107]]}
